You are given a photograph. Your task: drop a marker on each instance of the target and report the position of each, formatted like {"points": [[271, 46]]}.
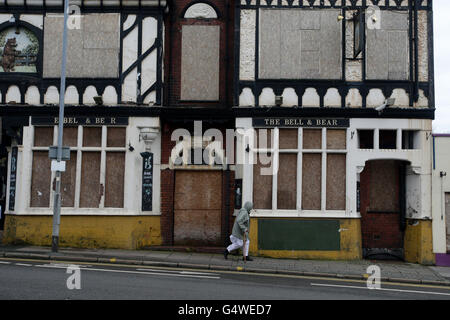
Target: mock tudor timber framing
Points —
{"points": [[23, 81], [410, 86]]}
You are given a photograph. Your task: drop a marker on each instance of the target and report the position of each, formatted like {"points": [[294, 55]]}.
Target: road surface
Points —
{"points": [[22, 279]]}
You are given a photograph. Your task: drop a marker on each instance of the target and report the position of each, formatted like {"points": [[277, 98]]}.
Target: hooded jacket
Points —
{"points": [[242, 221]]}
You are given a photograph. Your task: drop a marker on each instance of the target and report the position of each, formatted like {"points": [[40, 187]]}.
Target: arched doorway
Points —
{"points": [[382, 208]]}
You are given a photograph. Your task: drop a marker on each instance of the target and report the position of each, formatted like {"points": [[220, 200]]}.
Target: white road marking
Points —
{"points": [[175, 271], [153, 273], [50, 266], [4, 262], [382, 289], [23, 264], [178, 274], [191, 272]]}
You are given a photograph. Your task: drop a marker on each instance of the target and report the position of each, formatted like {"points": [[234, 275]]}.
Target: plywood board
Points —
{"points": [[336, 173], [287, 181], [311, 181], [198, 208], [40, 180], [90, 193], [114, 179], [68, 179], [312, 139], [43, 136], [200, 63], [262, 187], [288, 139]]}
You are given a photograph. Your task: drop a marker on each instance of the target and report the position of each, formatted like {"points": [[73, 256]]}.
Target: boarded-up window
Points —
{"points": [[89, 154], [383, 191], [288, 139], [311, 181], [40, 180], [116, 137], [68, 180], [90, 192], [287, 181], [70, 136], [387, 54], [115, 170], [264, 138], [300, 44], [336, 139], [262, 185], [41, 174], [93, 48], [43, 136], [312, 139], [200, 63], [336, 173], [92, 137]]}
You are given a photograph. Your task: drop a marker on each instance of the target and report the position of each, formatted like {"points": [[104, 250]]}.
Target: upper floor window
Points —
{"points": [[300, 44], [387, 47], [200, 55]]}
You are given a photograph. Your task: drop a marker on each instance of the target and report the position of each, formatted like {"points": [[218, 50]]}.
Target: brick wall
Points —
{"points": [[168, 187], [167, 202], [172, 68]]}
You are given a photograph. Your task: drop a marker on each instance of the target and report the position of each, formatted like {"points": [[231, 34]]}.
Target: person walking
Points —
{"points": [[241, 227]]}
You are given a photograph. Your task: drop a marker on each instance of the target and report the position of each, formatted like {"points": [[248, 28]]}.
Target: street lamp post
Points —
{"points": [[57, 200]]}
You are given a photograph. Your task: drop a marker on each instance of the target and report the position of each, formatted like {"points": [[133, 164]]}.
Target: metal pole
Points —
{"points": [[57, 200]]}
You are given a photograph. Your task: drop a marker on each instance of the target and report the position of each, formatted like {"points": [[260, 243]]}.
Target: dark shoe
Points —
{"points": [[225, 254], [247, 258]]}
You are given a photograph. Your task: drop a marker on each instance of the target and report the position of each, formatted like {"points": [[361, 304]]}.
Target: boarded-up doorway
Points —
{"points": [[198, 208], [382, 208], [447, 219]]}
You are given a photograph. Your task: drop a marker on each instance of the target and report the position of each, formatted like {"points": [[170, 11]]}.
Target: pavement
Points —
{"points": [[391, 271]]}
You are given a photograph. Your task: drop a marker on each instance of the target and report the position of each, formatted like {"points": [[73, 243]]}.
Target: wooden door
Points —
{"points": [[198, 208], [381, 206]]}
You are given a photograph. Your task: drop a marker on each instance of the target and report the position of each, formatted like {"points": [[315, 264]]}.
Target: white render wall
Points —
{"points": [[418, 180], [440, 187], [132, 179]]}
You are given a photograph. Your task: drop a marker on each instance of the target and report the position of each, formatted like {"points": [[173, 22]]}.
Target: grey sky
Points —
{"points": [[441, 17]]}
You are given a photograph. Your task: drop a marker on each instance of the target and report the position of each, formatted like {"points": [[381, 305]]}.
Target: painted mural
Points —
{"points": [[19, 49]]}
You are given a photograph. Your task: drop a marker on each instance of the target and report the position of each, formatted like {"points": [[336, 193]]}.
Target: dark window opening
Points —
{"points": [[388, 139], [365, 139], [410, 139]]}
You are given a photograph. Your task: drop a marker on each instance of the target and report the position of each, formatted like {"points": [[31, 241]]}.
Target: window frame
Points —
{"points": [[299, 151], [79, 149]]}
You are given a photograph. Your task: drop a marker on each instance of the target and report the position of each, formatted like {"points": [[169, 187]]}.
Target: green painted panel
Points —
{"points": [[288, 234]]}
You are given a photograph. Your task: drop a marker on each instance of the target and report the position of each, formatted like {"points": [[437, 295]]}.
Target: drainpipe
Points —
{"points": [[416, 53], [227, 63], [227, 203]]}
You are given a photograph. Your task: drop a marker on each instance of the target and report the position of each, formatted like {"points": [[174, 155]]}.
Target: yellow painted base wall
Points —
{"points": [[121, 232], [350, 244], [419, 242]]}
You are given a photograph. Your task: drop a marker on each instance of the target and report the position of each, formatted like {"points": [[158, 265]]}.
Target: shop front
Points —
{"points": [[324, 188], [110, 186]]}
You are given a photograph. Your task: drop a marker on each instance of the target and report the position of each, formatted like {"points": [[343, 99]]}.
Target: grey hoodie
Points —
{"points": [[242, 221]]}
